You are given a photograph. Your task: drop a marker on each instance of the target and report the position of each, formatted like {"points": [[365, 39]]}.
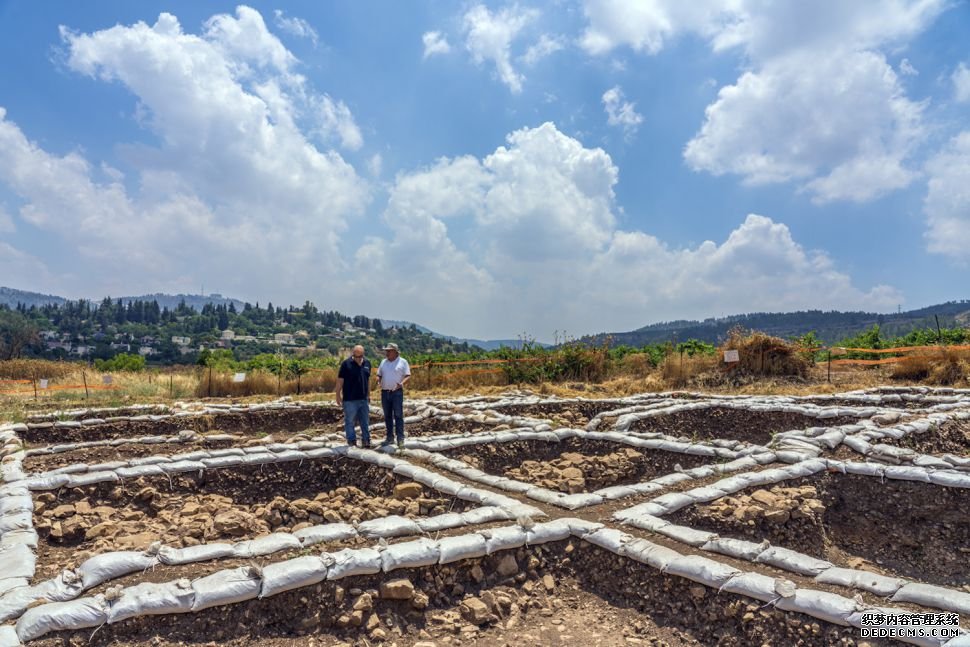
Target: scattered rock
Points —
{"points": [[399, 589]]}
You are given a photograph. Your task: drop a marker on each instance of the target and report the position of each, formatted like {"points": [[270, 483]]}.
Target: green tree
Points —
{"points": [[16, 333]]}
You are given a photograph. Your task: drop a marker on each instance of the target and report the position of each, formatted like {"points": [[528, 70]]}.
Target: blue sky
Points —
{"points": [[491, 169]]}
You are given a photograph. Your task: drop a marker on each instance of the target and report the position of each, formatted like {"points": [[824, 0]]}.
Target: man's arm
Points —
{"points": [[407, 375], [339, 391]]}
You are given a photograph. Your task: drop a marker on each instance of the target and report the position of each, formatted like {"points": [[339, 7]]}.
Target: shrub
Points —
{"points": [[121, 362]]}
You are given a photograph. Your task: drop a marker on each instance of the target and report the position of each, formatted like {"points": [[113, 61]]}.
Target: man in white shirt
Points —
{"points": [[393, 373]]}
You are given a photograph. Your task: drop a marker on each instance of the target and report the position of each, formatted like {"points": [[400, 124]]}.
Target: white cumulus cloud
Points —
{"points": [[620, 112], [947, 203], [489, 37], [231, 188], [296, 26], [435, 43], [961, 83], [526, 238], [817, 104]]}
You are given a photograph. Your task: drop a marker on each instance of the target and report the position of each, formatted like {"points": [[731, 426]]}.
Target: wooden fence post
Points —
{"points": [[84, 378], [830, 366]]}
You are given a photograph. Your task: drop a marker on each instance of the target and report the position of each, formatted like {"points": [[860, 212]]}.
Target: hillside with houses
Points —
{"points": [[162, 335]]}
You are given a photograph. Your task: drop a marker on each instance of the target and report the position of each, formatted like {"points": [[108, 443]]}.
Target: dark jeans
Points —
{"points": [[392, 402], [355, 410]]}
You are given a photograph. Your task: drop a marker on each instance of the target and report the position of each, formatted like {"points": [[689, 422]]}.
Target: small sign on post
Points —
{"points": [[731, 356], [239, 377], [106, 379], [43, 384]]}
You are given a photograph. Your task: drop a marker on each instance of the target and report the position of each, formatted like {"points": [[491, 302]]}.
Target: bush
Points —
{"points": [[762, 355], [939, 368], [122, 362]]}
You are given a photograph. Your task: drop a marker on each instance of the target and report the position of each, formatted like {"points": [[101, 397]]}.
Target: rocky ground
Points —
{"points": [[573, 472], [551, 595], [903, 528], [952, 437]]}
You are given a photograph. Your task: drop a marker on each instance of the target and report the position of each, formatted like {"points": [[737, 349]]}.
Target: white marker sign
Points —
{"points": [[239, 377], [43, 384], [105, 379], [731, 356]]}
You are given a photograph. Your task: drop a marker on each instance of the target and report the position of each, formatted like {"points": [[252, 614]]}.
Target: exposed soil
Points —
{"points": [[110, 453], [574, 464], [905, 528], [951, 437], [437, 427], [756, 427], [554, 594], [222, 505], [250, 422], [579, 412]]}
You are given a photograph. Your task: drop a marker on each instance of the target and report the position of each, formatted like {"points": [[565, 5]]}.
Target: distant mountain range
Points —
{"points": [[12, 296], [829, 326], [487, 344]]}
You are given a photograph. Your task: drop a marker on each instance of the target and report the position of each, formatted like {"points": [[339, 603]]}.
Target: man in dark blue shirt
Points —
{"points": [[353, 394]]}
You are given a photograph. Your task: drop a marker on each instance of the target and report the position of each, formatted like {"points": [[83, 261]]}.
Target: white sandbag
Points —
{"points": [[689, 536], [16, 521], [864, 469], [938, 597], [544, 496], [739, 548], [950, 479], [904, 473], [93, 478], [609, 538], [11, 583], [648, 522], [580, 500], [673, 502], [442, 522], [267, 545], [486, 514], [8, 637], [11, 504], [546, 532], [226, 587], [753, 585], [27, 537], [61, 616], [324, 533], [872, 582], [139, 471], [17, 561], [150, 599], [192, 554], [616, 492], [108, 566], [505, 538], [642, 509], [410, 554], [391, 526], [820, 604], [647, 552], [350, 562], [793, 561], [580, 527], [293, 573], [959, 641], [670, 479], [701, 569], [856, 443], [706, 493], [454, 549]]}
